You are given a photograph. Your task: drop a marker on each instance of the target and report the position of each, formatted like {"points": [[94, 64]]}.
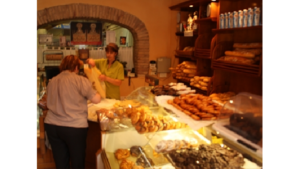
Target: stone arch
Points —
{"points": [[86, 11]]}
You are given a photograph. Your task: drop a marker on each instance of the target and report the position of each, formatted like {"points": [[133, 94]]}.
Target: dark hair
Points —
{"points": [[70, 62], [112, 47]]}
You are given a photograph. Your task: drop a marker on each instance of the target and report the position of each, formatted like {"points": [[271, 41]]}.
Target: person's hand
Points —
{"points": [[91, 62], [102, 77]]}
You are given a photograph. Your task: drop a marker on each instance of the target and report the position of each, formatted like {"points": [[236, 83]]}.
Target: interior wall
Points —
{"points": [[160, 22]]}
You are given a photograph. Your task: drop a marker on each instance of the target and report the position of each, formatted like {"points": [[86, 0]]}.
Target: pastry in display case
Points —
{"points": [[244, 126], [156, 139]]}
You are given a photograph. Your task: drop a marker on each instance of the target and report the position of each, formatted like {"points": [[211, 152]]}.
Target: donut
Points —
{"points": [[135, 151], [122, 154]]}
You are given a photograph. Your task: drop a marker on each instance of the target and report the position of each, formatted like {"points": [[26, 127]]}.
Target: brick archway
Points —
{"points": [[105, 13]]}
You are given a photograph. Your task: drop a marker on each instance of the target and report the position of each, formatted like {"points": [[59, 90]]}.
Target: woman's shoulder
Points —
{"points": [[119, 64]]}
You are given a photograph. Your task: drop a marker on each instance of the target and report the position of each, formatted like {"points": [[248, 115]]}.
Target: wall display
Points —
{"points": [[122, 40], [86, 33]]}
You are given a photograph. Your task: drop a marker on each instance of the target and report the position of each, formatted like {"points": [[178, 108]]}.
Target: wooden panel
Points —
{"points": [[225, 81], [93, 143]]}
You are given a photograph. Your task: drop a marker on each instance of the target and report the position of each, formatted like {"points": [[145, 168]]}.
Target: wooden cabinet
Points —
{"points": [[201, 40], [210, 44]]}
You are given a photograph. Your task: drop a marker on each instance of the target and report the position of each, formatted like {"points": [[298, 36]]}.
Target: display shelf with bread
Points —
{"points": [[244, 58]]}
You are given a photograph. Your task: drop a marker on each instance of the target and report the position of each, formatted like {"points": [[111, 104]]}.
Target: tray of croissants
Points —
{"points": [[198, 106], [144, 119]]}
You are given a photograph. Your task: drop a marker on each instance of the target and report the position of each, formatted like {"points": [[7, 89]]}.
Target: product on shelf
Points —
{"points": [[145, 122], [244, 53], [221, 97], [247, 45], [144, 161], [197, 106], [168, 145], [164, 90], [122, 154], [127, 103], [184, 71], [200, 82], [126, 164], [248, 125], [135, 151], [207, 156]]}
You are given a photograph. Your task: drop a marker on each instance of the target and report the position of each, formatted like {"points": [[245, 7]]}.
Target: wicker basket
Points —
{"points": [[184, 53]]}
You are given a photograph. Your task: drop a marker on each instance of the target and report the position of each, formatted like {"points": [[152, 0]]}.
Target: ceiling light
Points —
{"points": [[213, 0], [191, 6]]}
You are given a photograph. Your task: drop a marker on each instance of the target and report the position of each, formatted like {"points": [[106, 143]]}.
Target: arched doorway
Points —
{"points": [[105, 13]]}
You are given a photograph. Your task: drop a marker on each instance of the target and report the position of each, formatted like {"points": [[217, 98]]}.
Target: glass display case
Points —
{"points": [[171, 147]]}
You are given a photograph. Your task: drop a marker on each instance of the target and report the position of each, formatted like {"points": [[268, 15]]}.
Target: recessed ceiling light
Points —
{"points": [[213, 0], [191, 6]]}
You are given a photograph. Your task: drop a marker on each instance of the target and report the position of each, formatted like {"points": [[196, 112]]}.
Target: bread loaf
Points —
{"points": [[254, 51], [189, 71], [247, 45], [204, 88], [203, 84], [238, 59], [54, 57], [240, 54], [93, 75]]}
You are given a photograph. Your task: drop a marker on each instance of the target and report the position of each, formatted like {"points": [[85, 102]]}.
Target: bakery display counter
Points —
{"points": [[151, 133]]}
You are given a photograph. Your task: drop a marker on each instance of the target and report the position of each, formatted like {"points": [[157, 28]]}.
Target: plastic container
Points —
{"points": [[241, 121]]}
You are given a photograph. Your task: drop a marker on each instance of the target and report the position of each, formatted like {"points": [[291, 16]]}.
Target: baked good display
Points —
{"points": [[168, 145], [243, 53], [247, 45], [121, 154], [222, 98], [248, 125], [135, 151], [144, 161], [145, 122], [197, 106], [163, 90], [185, 71], [137, 167], [126, 164], [201, 82], [207, 156]]}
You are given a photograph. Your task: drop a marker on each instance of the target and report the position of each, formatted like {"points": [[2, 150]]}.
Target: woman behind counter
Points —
{"points": [[66, 122], [112, 71]]}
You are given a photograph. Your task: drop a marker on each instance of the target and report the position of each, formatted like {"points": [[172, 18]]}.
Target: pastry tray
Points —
{"points": [[248, 164], [231, 135], [179, 134]]}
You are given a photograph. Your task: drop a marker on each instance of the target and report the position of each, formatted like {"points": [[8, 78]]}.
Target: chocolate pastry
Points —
{"points": [[207, 156], [135, 151], [144, 161]]}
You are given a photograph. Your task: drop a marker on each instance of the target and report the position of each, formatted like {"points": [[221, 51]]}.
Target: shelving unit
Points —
{"points": [[230, 30], [211, 43]]}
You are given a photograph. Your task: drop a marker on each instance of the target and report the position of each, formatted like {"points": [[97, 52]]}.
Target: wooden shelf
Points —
{"points": [[185, 6], [186, 57], [236, 29], [252, 70], [213, 19], [202, 53], [195, 33]]}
